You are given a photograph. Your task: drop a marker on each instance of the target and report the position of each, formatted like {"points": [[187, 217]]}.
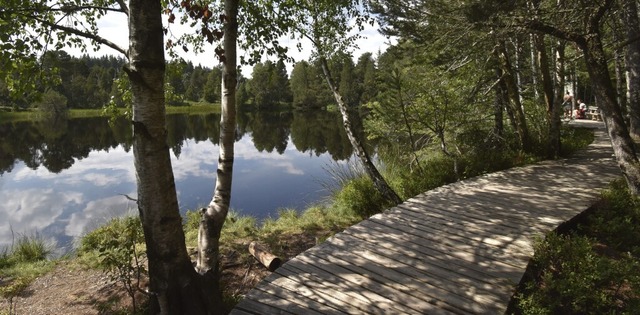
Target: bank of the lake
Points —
{"points": [[62, 178], [192, 108], [293, 231]]}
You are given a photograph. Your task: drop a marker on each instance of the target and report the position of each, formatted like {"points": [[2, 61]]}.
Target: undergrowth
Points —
{"points": [[118, 247], [594, 268], [22, 263]]}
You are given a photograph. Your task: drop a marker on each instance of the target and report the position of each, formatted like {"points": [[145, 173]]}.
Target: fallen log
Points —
{"points": [[269, 260]]}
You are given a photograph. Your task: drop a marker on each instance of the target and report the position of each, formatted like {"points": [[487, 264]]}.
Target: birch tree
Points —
{"points": [[175, 287], [214, 216], [328, 25]]}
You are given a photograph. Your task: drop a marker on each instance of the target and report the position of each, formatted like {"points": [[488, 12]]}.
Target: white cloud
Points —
{"points": [[196, 159], [27, 211], [98, 212], [99, 169]]}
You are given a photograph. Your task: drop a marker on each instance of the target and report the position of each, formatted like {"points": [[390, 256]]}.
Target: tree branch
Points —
{"points": [[87, 35], [594, 22], [73, 8], [538, 26], [123, 6]]}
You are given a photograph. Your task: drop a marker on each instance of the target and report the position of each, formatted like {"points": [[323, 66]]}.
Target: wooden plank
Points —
{"points": [[508, 212], [430, 293], [520, 210], [457, 282], [479, 214], [400, 291], [446, 233], [253, 307], [440, 265], [324, 289], [350, 298], [237, 311], [344, 283], [484, 256], [454, 225], [497, 205], [489, 247], [462, 262], [366, 282], [324, 297], [268, 293]]}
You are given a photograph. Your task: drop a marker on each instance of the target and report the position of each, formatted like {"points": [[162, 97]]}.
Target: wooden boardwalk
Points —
{"points": [[458, 249]]}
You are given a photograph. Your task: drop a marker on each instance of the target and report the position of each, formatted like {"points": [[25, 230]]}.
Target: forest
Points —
{"points": [[470, 84], [96, 82]]}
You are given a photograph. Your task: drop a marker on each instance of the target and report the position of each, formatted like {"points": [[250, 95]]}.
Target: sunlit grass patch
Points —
{"points": [[22, 263]]}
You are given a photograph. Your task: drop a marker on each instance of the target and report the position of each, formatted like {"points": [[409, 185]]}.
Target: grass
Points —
{"points": [[192, 108], [22, 263], [20, 116], [353, 199]]}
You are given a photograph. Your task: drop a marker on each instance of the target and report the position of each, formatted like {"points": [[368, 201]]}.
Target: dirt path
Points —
{"points": [[72, 290], [69, 290]]}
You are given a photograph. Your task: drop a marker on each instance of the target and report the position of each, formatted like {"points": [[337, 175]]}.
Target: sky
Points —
{"points": [[114, 28]]}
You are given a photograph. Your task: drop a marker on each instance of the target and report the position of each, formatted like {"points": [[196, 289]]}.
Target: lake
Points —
{"points": [[62, 179]]}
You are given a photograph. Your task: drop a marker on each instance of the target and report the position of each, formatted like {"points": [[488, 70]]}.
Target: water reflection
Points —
{"points": [[64, 178]]}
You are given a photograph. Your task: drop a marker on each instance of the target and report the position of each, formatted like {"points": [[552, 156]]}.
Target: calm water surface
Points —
{"points": [[62, 179]]}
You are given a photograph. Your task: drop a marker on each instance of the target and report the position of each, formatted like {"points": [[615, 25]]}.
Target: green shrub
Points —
{"points": [[359, 197], [616, 221], [52, 103], [572, 278], [574, 139], [117, 245]]}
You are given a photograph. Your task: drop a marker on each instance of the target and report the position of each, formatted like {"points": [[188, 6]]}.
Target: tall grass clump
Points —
{"points": [[359, 197], [435, 170], [31, 249], [236, 228], [352, 191], [22, 263]]}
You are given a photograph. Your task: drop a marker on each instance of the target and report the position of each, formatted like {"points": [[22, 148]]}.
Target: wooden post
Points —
{"points": [[269, 260]]}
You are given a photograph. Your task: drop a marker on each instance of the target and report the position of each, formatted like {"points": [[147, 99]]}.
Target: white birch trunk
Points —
{"points": [[174, 285], [214, 215]]}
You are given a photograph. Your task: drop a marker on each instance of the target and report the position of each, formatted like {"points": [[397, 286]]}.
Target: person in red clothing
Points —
{"points": [[581, 111]]}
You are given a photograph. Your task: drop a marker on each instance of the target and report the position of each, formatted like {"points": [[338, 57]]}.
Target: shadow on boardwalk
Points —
{"points": [[458, 249]]}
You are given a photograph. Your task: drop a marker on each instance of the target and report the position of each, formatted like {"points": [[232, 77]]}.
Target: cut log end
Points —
{"points": [[269, 260]]}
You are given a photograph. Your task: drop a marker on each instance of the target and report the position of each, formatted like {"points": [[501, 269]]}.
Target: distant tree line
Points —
{"points": [[93, 82], [58, 145], [270, 85]]}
